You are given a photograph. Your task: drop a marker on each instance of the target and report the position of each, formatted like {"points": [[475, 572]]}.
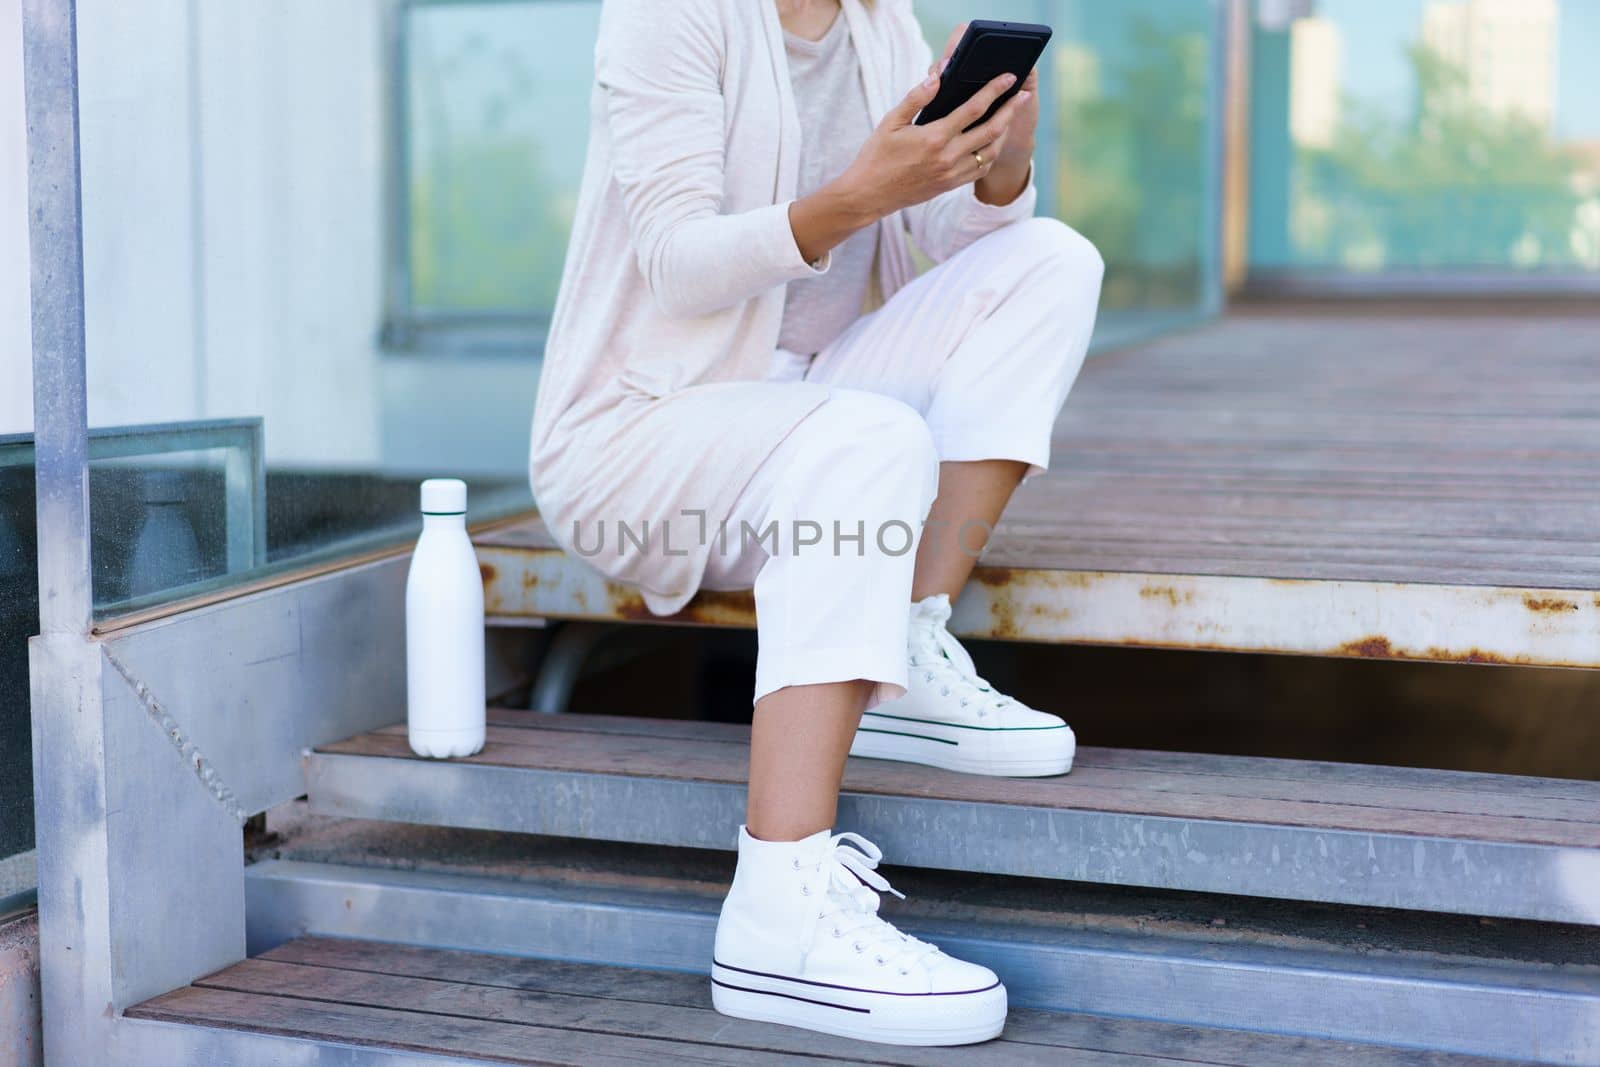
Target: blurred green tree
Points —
{"points": [[1452, 185], [1132, 173], [488, 228], [489, 221]]}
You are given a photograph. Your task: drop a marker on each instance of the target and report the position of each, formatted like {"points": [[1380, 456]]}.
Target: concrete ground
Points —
{"points": [[20, 1042]]}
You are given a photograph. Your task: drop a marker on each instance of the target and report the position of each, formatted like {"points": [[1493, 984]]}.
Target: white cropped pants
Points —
{"points": [[972, 361]]}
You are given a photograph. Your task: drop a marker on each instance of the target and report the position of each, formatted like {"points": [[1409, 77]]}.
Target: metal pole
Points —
{"points": [[399, 316], [1213, 295], [55, 226], [76, 972]]}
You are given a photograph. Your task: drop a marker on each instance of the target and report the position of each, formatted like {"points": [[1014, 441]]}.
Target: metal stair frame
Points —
{"points": [[1392, 870], [152, 742]]}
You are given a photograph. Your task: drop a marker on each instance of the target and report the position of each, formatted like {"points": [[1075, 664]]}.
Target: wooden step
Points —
{"points": [[1455, 842], [1438, 990], [502, 1009]]}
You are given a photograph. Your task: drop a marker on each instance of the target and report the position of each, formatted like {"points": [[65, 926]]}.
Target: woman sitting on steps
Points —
{"points": [[745, 371]]}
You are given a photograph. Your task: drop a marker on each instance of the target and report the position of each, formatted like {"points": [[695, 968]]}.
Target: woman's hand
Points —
{"points": [[904, 164], [1009, 177]]}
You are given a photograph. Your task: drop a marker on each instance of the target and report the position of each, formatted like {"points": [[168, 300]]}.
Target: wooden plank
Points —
{"points": [[1175, 772], [1304, 568], [722, 762], [1123, 508], [1009, 558], [1197, 763], [502, 721], [1192, 542], [1307, 542], [1088, 1033], [1244, 522], [385, 1028], [1315, 774], [625, 1011], [1305, 466], [1279, 550], [510, 972]]}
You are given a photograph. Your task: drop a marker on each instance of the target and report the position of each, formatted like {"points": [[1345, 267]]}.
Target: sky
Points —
{"points": [[1375, 31]]}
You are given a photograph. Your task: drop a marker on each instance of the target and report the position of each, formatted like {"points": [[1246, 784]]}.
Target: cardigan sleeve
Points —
{"points": [[659, 67], [945, 225]]}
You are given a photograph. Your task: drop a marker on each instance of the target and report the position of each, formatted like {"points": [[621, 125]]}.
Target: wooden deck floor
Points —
{"points": [[505, 1009], [1417, 485]]}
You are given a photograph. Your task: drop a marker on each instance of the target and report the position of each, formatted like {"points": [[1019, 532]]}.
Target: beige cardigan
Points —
{"points": [[652, 406]]}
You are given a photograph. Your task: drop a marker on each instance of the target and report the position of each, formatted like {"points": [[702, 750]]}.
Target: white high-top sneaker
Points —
{"points": [[800, 942], [953, 719]]}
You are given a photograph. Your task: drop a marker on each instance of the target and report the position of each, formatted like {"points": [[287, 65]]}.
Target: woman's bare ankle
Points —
{"points": [[784, 829]]}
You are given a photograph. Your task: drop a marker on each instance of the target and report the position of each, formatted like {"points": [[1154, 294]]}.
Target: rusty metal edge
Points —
{"points": [[1325, 618]]}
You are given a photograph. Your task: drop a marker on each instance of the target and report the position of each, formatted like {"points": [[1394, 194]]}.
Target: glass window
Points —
{"points": [[493, 120], [1128, 144], [491, 111], [1442, 136], [291, 209]]}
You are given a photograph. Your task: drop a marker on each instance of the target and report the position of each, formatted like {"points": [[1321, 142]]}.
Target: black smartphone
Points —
{"points": [[987, 50]]}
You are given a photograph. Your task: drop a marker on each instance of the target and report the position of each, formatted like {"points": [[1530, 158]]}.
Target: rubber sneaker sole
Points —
{"points": [[1000, 753], [962, 1018]]}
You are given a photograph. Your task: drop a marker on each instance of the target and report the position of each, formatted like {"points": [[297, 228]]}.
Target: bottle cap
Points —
{"points": [[444, 496]]}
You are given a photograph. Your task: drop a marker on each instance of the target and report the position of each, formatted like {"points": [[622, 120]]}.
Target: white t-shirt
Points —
{"points": [[835, 122]]}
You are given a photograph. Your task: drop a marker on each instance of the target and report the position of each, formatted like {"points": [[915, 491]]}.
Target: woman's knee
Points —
{"points": [[892, 438], [1057, 246]]}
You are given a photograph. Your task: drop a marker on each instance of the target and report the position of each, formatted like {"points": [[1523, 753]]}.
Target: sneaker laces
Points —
{"points": [[849, 909], [940, 657]]}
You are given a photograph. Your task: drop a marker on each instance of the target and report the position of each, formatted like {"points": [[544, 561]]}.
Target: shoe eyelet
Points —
{"points": [[904, 972], [795, 863], [882, 961], [805, 891], [837, 932], [860, 948]]}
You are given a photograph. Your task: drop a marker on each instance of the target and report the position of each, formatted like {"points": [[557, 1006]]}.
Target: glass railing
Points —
{"points": [[19, 620], [19, 580], [1446, 138], [239, 163]]}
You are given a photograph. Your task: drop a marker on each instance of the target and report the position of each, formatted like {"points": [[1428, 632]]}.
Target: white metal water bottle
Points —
{"points": [[445, 707]]}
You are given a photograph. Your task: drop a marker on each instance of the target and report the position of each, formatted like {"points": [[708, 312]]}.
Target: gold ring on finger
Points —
{"points": [[979, 157]]}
